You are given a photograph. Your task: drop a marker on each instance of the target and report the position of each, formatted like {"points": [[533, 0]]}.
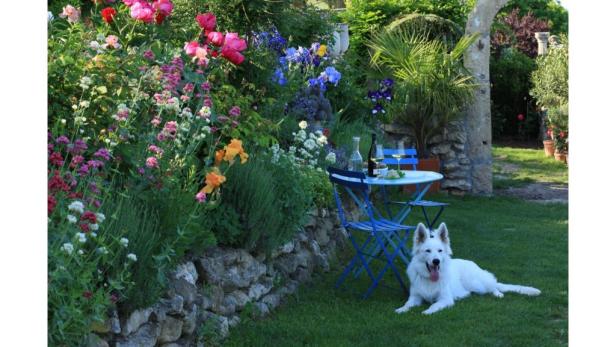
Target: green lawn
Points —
{"points": [[515, 167], [520, 242]]}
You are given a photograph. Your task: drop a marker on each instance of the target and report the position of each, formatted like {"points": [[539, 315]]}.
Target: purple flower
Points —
{"points": [[95, 164], [63, 140], [78, 147], [235, 111], [378, 108], [103, 153], [200, 197], [83, 170], [149, 55]]}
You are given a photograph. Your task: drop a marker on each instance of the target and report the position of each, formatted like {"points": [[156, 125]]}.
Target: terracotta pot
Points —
{"points": [[560, 156], [548, 147], [429, 164]]}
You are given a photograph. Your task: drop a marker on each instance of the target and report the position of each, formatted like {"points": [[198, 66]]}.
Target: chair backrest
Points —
{"points": [[410, 157], [351, 181]]}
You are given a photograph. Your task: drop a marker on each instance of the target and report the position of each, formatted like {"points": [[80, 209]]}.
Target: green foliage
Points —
{"points": [[344, 130], [263, 205], [510, 77], [551, 80], [550, 10], [431, 82]]}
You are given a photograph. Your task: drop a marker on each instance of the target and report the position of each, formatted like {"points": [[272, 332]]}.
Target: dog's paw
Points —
{"points": [[428, 312], [401, 310], [498, 294]]}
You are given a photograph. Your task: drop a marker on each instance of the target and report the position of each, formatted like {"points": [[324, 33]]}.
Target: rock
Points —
{"points": [[95, 341], [238, 298], [321, 234], [271, 300], [112, 324], [145, 336], [234, 320], [261, 309], [168, 306], [304, 258], [302, 274], [232, 269], [220, 323], [311, 221], [287, 247], [186, 271], [441, 149], [190, 321], [286, 264], [322, 261], [460, 184], [135, 320], [257, 290], [171, 330], [184, 288]]}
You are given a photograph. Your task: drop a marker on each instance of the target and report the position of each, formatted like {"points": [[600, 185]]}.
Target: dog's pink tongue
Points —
{"points": [[434, 275]]}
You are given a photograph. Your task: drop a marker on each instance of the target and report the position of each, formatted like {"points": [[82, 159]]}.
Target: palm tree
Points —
{"points": [[432, 85]]}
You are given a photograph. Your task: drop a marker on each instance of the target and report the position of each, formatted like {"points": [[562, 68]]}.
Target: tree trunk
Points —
{"points": [[478, 119]]}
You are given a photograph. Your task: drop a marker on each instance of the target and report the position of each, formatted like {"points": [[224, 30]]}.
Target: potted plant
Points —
{"points": [[432, 84]]}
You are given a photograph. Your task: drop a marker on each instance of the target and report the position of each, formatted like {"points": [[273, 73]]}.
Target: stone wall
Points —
{"points": [[451, 149], [208, 293]]}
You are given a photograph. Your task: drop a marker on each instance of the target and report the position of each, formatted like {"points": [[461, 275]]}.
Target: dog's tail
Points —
{"points": [[517, 289]]}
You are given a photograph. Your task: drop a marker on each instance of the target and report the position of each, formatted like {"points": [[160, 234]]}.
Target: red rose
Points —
{"points": [[215, 38], [108, 13], [520, 117], [207, 21], [232, 55]]}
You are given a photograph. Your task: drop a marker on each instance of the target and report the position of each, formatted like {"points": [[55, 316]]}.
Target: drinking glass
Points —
{"points": [[399, 153]]}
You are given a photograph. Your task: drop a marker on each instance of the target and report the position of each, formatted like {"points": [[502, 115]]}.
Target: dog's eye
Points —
{"points": [[427, 250], [440, 250]]}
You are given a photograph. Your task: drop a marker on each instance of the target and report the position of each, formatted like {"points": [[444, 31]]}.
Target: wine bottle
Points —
{"points": [[371, 158]]}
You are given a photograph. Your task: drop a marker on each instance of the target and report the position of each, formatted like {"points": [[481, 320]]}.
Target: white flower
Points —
{"points": [[76, 206], [330, 157], [100, 37], [206, 129], [102, 250], [81, 237], [124, 241], [63, 121], [93, 227], [100, 217], [301, 135], [303, 124], [49, 16], [80, 252], [322, 140], [93, 234], [84, 104], [310, 144], [71, 219], [68, 248], [95, 45], [131, 256]]}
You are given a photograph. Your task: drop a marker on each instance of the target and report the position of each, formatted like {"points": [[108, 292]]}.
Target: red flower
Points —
{"points": [[326, 132], [160, 18], [207, 21], [87, 294], [51, 204], [549, 133], [562, 134], [232, 55], [56, 159], [520, 117], [56, 183], [89, 216], [84, 227], [215, 38], [108, 13]]}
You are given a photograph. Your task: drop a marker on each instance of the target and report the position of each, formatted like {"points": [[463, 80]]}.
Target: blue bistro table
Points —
{"points": [[422, 181]]}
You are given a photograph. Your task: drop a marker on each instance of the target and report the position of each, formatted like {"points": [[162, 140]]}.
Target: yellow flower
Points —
{"points": [[243, 158], [322, 50], [213, 180]]}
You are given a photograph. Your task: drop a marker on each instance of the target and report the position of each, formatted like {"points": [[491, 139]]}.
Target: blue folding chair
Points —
{"points": [[410, 158], [379, 230]]}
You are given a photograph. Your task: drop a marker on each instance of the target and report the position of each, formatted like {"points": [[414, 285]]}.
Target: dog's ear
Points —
{"points": [[443, 234], [421, 234]]}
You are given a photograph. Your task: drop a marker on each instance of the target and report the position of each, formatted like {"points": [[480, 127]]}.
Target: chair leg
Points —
{"points": [[390, 264], [357, 257]]}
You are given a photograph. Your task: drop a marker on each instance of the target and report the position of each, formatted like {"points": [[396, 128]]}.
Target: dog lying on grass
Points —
{"points": [[440, 280]]}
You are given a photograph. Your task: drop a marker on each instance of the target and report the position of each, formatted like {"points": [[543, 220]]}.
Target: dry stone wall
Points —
{"points": [[207, 294]]}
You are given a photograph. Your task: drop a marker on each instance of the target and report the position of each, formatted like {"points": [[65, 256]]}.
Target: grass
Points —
{"points": [[516, 167], [520, 242]]}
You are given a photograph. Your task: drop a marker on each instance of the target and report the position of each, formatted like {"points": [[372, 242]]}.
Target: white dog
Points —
{"points": [[440, 280]]}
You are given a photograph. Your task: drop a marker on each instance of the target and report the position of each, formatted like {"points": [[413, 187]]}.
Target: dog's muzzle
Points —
{"points": [[433, 270]]}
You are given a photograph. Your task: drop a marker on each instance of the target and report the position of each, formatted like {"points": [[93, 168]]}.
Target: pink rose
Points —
{"points": [[232, 55], [142, 11], [72, 14], [151, 162], [215, 38], [191, 48], [207, 21], [233, 41], [201, 54], [163, 7]]}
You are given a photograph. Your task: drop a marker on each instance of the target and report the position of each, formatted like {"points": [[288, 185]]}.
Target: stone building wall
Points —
{"points": [[450, 147], [208, 293]]}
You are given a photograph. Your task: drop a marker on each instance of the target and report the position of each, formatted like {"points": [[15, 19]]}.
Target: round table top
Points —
{"points": [[410, 177]]}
